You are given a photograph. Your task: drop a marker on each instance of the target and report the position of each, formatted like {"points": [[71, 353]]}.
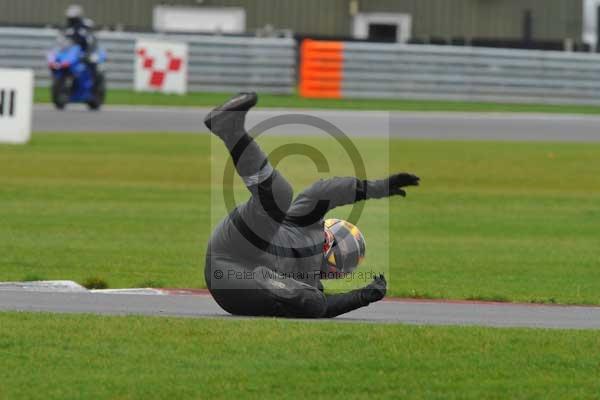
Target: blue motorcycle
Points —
{"points": [[74, 80]]}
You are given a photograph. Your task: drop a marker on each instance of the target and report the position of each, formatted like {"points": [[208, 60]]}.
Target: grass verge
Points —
{"points": [[492, 220], [127, 97], [46, 356]]}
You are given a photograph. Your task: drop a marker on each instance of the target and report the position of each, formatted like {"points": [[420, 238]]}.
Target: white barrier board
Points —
{"points": [[16, 103], [161, 66]]}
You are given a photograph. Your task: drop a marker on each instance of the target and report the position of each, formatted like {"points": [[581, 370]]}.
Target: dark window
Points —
{"points": [[383, 32]]}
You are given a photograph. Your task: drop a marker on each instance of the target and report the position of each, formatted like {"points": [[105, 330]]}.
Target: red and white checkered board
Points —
{"points": [[161, 66]]}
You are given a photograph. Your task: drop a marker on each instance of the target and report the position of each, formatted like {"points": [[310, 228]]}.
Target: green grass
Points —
{"points": [[492, 220], [44, 356], [128, 97]]}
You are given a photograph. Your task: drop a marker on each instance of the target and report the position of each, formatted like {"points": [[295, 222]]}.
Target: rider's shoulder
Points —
{"points": [[88, 23]]}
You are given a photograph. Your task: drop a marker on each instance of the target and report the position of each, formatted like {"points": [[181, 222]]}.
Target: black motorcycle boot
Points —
{"points": [[229, 118]]}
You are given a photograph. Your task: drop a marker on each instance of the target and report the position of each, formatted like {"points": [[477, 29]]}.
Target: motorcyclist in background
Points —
{"points": [[80, 31]]}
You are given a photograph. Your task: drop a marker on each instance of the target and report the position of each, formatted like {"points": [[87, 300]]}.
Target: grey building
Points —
{"points": [[397, 20]]}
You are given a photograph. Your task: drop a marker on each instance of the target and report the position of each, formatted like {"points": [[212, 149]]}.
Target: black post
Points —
{"points": [[598, 29], [527, 27]]}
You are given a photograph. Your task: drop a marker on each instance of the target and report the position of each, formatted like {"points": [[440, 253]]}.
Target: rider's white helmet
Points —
{"points": [[74, 11]]}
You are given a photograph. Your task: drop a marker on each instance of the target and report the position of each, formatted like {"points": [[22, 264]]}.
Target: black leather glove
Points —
{"points": [[374, 291], [396, 182]]}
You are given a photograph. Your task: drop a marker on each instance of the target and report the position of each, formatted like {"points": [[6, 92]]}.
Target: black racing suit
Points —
{"points": [[272, 230], [80, 32]]}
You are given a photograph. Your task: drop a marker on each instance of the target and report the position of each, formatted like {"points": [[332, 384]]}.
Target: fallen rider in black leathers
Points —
{"points": [[267, 257]]}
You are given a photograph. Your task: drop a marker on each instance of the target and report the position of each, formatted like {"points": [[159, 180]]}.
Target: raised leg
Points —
{"points": [[260, 217]]}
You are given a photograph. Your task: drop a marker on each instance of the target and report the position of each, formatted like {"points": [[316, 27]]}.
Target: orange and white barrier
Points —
{"points": [[321, 65]]}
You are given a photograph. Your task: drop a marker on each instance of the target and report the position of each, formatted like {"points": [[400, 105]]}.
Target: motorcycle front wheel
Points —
{"points": [[60, 92], [99, 93]]}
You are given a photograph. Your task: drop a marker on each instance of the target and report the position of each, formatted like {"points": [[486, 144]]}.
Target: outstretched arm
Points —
{"points": [[338, 304], [314, 202]]}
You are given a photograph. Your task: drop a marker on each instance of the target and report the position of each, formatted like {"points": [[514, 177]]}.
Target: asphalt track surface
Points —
{"points": [[418, 312], [409, 125]]}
